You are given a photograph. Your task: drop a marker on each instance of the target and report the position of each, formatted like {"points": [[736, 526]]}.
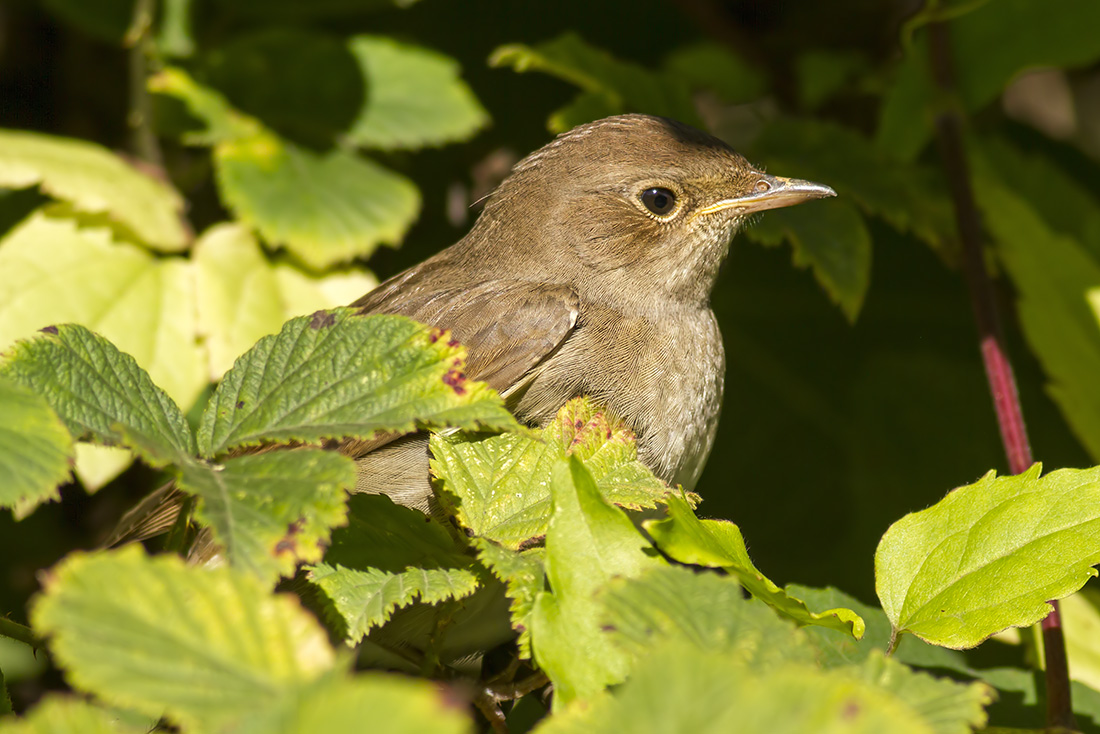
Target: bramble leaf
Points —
{"points": [[36, 449]]}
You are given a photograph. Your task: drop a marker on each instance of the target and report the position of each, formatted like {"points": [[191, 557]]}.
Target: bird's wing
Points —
{"points": [[507, 326]]}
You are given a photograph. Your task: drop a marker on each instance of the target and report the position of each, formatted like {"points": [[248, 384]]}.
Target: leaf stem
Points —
{"points": [[139, 118], [998, 369], [20, 632]]}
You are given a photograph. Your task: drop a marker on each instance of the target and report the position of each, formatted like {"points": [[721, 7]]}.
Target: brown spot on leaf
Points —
{"points": [[48, 329], [456, 380], [287, 544], [435, 334], [321, 320], [851, 710], [452, 342], [579, 424], [240, 404]]}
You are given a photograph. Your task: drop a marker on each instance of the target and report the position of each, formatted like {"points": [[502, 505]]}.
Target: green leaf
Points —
{"points": [[143, 305], [243, 296], [821, 74], [323, 207], [1081, 625], [704, 610], [681, 690], [67, 715], [588, 543], [271, 511], [833, 241], [988, 51], [1058, 300], [94, 181], [626, 86], [36, 449], [713, 67], [338, 374], [990, 555], [101, 393], [416, 97], [524, 577], [382, 704], [387, 557], [718, 544], [208, 647]]}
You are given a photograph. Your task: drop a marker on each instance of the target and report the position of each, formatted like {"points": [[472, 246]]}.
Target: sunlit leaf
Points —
{"points": [[68, 715], [36, 449], [415, 97], [337, 374], [990, 555], [94, 181], [524, 576], [206, 647]]}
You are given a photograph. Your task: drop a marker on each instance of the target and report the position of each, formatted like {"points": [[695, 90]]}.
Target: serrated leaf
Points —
{"points": [[990, 555], [499, 486], [382, 704], [36, 449], [94, 181], [833, 241], [704, 610], [208, 647], [271, 511], [524, 577], [718, 544], [415, 99], [588, 543], [53, 271], [626, 86], [1058, 287], [681, 690], [66, 715], [324, 208], [243, 296], [101, 393], [387, 557], [338, 374]]}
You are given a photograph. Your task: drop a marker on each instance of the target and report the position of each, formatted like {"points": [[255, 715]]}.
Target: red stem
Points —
{"points": [[998, 369]]}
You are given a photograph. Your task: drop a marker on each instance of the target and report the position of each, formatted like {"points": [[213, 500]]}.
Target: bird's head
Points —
{"points": [[636, 206]]}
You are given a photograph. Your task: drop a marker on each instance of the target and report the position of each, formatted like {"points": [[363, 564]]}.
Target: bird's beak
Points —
{"points": [[772, 192]]}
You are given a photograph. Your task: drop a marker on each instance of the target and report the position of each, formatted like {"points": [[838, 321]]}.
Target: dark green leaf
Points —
{"points": [[36, 450]]}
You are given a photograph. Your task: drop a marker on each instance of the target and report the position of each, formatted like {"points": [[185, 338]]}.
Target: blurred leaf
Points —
{"points": [[718, 544], [303, 84], [704, 610], [832, 240], [1058, 300], [96, 182], [338, 374], [324, 208], [989, 51], [499, 486], [387, 557], [627, 86], [380, 704], [588, 543], [243, 296], [990, 555], [107, 20], [272, 511], [713, 67], [174, 38], [415, 97], [52, 271], [524, 577], [296, 10], [910, 197], [68, 715], [97, 465], [101, 393], [823, 73], [682, 690], [1081, 625], [208, 647], [36, 450]]}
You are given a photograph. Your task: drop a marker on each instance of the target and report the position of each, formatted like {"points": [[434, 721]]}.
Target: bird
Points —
{"points": [[589, 272]]}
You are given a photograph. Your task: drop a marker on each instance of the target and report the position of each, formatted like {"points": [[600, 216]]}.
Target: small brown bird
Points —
{"points": [[589, 272]]}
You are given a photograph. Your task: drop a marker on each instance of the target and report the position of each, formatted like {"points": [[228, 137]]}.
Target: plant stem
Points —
{"points": [[20, 632], [998, 369], [139, 40]]}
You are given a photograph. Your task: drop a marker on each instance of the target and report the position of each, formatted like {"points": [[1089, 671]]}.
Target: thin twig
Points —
{"points": [[139, 40], [20, 632], [998, 369]]}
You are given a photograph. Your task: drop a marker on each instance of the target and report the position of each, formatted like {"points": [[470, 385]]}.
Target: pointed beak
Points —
{"points": [[772, 192]]}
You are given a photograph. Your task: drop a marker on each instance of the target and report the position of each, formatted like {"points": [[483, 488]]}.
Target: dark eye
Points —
{"points": [[659, 201]]}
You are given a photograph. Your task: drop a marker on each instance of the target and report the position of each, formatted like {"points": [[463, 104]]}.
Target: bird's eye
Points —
{"points": [[659, 201]]}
